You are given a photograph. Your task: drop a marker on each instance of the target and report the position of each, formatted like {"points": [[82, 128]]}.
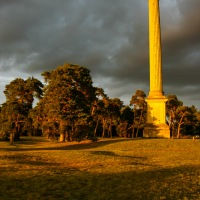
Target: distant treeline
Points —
{"points": [[70, 108]]}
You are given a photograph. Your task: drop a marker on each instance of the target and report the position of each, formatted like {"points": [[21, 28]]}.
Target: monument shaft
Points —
{"points": [[155, 49], [156, 109]]}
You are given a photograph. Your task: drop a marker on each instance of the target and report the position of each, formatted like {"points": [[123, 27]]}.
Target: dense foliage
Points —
{"points": [[15, 111], [70, 108]]}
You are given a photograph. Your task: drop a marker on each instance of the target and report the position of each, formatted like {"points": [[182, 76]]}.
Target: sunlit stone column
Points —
{"points": [[156, 109], [155, 49]]}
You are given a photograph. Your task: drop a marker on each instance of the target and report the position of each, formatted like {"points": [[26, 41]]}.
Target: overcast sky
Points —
{"points": [[110, 37]]}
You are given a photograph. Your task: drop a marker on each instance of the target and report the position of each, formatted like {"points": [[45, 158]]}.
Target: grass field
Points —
{"points": [[117, 169]]}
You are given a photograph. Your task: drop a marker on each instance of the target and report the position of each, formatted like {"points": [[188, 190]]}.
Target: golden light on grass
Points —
{"points": [[108, 169]]}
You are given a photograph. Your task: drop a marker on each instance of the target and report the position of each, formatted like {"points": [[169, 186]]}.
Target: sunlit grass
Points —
{"points": [[35, 168]]}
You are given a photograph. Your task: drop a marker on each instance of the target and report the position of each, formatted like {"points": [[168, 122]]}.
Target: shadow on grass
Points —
{"points": [[31, 140], [68, 146], [166, 183], [28, 160], [110, 153], [135, 159], [24, 141]]}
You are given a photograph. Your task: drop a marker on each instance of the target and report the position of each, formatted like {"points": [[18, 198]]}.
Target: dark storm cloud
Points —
{"points": [[110, 37], [181, 50]]}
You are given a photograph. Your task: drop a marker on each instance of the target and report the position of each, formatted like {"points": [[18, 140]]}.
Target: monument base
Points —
{"points": [[156, 131], [156, 126]]}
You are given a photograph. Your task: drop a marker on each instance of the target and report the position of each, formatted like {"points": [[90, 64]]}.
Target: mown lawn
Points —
{"points": [[117, 169]]}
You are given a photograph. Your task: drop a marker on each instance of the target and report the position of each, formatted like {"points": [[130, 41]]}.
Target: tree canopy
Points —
{"points": [[19, 101], [70, 108]]}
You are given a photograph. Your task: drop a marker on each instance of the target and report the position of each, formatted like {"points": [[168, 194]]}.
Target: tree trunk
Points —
{"points": [[11, 138], [49, 133], [104, 127], [72, 133], [68, 135], [17, 131], [110, 128], [132, 133], [179, 126], [137, 130], [95, 131], [62, 137], [139, 123], [178, 132], [92, 110]]}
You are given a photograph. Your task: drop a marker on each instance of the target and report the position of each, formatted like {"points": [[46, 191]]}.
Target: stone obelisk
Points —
{"points": [[156, 101]]}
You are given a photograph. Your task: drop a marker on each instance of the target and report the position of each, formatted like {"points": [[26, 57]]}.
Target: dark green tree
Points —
{"points": [[197, 124], [124, 128], [172, 104], [98, 109], [113, 108], [38, 117], [186, 119], [139, 109], [68, 98], [19, 101]]}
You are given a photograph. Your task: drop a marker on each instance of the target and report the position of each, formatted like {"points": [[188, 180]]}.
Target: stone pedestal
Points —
{"points": [[156, 131], [156, 118]]}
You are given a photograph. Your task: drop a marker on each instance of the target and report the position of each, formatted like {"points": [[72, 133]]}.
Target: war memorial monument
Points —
{"points": [[156, 101]]}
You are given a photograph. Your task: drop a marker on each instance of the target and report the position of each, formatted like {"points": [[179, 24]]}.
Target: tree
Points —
{"points": [[68, 97], [182, 113], [186, 120], [126, 121], [197, 124], [113, 107], [7, 128], [107, 111], [19, 101], [23, 91], [38, 117], [181, 119], [98, 111], [172, 105], [139, 109]]}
